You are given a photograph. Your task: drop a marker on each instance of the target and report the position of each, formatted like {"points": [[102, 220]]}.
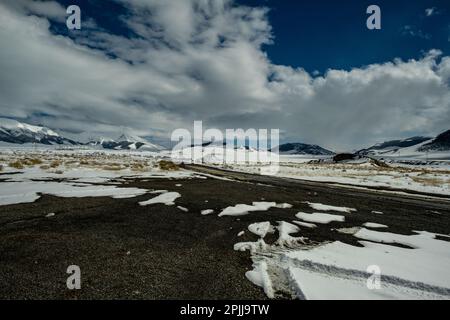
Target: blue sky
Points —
{"points": [[309, 68], [323, 34], [326, 34]]}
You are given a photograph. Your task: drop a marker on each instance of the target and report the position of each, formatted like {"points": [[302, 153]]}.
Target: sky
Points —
{"points": [[309, 68]]}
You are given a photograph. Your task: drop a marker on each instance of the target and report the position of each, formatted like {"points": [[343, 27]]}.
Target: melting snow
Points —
{"points": [[323, 207], [317, 217], [243, 209], [207, 211], [29, 191], [166, 198], [261, 228], [284, 206], [285, 230], [260, 277], [406, 273], [341, 271], [305, 224], [374, 225], [351, 230]]}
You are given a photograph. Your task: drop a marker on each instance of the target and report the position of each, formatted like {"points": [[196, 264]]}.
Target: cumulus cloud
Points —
{"points": [[203, 60]]}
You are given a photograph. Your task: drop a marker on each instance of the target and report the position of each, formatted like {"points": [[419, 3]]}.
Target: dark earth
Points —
{"points": [[126, 251]]}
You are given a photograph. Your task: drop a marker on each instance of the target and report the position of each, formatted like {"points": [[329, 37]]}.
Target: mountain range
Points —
{"points": [[12, 131], [410, 146], [15, 132]]}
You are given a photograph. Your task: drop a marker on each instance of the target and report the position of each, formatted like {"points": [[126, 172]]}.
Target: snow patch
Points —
{"points": [[166, 198], [243, 209], [285, 229], [317, 217], [30, 191], [207, 211], [260, 277], [261, 228], [323, 207], [305, 224], [374, 225]]}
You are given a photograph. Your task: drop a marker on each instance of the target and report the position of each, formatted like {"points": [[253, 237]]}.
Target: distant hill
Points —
{"points": [[412, 147], [441, 143], [302, 149], [393, 146]]}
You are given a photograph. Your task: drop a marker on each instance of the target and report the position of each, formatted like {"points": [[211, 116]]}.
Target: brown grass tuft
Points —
{"points": [[55, 164], [32, 162], [168, 165], [112, 168], [16, 164]]}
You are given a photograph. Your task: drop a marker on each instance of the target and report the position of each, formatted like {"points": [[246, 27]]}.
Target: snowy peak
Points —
{"points": [[130, 138], [14, 126], [303, 149], [130, 142], [12, 131]]}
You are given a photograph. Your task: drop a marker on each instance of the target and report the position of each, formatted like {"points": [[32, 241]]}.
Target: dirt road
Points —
{"points": [[129, 251]]}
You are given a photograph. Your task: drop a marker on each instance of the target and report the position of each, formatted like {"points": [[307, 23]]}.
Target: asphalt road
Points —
{"points": [[126, 251]]}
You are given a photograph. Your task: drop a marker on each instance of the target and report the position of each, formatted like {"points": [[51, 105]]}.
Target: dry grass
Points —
{"points": [[168, 165], [21, 163], [140, 167], [112, 168], [16, 165], [435, 182], [55, 164], [32, 161]]}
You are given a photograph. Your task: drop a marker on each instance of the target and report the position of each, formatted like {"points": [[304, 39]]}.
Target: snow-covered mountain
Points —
{"points": [[395, 146], [127, 142], [302, 149], [12, 131], [415, 147], [15, 132], [441, 143]]}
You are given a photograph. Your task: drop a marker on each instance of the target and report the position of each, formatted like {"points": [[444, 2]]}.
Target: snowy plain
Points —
{"points": [[412, 266], [26, 173], [427, 177]]}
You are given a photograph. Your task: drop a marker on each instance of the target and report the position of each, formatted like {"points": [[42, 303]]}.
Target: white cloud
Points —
{"points": [[431, 12], [49, 9], [207, 65]]}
